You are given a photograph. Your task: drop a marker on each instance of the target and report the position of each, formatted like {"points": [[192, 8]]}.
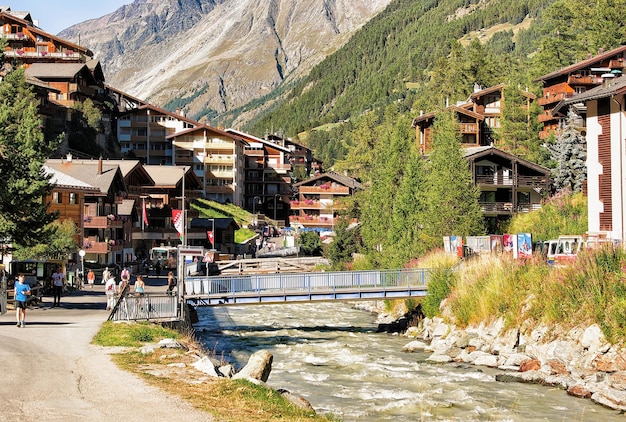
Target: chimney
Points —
{"points": [[100, 165], [69, 157]]}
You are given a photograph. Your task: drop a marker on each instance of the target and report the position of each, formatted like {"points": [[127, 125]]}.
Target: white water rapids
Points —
{"points": [[331, 354]]}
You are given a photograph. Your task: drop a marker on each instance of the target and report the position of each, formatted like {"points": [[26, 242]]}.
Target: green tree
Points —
{"points": [[23, 151], [570, 154], [310, 243], [62, 243], [344, 244], [452, 206]]}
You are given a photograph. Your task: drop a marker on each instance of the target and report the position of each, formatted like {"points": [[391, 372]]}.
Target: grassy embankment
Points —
{"points": [[225, 399], [591, 290], [212, 209]]}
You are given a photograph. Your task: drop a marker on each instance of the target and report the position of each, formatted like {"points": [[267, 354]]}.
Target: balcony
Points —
{"points": [[339, 190], [506, 208], [312, 220], [468, 127], [577, 80], [546, 117], [307, 205], [494, 179], [532, 181], [92, 246], [103, 222], [551, 98]]}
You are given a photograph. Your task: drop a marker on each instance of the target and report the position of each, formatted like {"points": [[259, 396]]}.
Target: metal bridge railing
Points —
{"points": [[305, 282], [148, 306]]}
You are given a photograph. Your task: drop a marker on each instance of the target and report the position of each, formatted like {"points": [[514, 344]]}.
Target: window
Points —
{"points": [[57, 198], [73, 198]]}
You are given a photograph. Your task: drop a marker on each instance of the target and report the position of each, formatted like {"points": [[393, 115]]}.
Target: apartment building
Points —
{"points": [[216, 157]]}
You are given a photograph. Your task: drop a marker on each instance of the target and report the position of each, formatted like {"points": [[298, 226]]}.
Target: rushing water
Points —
{"points": [[331, 354]]}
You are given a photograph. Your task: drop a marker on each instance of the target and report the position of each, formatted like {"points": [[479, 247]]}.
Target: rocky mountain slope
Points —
{"points": [[210, 56]]}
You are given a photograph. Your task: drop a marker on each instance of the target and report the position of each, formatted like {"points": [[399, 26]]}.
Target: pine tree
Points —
{"points": [[570, 154], [452, 206], [23, 151]]}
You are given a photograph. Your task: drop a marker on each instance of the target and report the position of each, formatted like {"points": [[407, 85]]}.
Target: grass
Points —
{"points": [[225, 399], [591, 290]]}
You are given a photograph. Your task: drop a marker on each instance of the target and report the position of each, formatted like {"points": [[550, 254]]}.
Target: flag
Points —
{"points": [[209, 235], [145, 214], [177, 219]]}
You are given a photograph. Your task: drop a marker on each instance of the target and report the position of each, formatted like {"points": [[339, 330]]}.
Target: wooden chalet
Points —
{"points": [[105, 233], [27, 43], [479, 118], [317, 199], [567, 83], [508, 184]]}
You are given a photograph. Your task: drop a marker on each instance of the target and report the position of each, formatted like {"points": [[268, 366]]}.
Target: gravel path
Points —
{"points": [[51, 372]]}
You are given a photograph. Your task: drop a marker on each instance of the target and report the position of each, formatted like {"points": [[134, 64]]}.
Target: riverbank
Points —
{"points": [[577, 359]]}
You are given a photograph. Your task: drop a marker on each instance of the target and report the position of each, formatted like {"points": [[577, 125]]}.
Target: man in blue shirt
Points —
{"points": [[22, 291]]}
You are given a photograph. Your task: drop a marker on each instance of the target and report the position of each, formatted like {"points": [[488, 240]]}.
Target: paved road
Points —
{"points": [[51, 372]]}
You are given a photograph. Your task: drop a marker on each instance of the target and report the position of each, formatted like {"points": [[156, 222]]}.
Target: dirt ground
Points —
{"points": [[52, 372]]}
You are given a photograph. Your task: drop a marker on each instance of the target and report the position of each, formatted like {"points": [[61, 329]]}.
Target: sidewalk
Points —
{"points": [[51, 371]]}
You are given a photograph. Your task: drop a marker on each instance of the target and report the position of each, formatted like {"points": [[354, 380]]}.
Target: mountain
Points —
{"points": [[210, 56]]}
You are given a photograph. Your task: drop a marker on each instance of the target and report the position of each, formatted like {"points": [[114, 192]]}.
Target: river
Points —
{"points": [[331, 354]]}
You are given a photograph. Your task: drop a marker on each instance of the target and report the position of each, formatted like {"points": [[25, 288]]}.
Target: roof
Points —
{"points": [[148, 106], [499, 87], [126, 207], [458, 109], [341, 179], [55, 70], [87, 171], [248, 137], [129, 166], [62, 180], [39, 83], [208, 128], [484, 151], [582, 64], [608, 89]]}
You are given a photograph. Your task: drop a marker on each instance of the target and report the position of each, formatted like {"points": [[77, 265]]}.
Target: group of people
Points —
{"points": [[111, 289]]}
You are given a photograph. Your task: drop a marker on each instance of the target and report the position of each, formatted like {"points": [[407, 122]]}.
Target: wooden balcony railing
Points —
{"points": [[306, 205], [311, 221], [102, 222], [325, 189], [507, 207], [554, 98], [468, 127]]}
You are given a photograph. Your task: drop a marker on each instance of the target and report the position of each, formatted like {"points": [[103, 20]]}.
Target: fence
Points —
{"points": [[132, 307]]}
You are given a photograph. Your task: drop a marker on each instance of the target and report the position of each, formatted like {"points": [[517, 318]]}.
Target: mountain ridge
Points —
{"points": [[208, 57]]}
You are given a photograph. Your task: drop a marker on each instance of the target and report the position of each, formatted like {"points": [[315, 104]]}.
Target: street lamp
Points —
{"points": [[81, 253], [275, 195], [255, 200]]}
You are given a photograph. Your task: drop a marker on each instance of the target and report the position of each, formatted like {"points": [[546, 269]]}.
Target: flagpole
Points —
{"points": [[183, 216], [143, 213]]}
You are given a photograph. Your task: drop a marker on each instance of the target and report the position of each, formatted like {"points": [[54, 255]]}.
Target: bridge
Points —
{"points": [[242, 289]]}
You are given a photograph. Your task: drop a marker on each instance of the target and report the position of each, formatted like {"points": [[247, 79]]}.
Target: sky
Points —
{"points": [[56, 15]]}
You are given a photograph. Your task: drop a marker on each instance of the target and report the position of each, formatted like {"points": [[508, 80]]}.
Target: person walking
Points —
{"points": [[22, 291], [58, 282], [109, 290], [125, 275], [106, 274], [140, 285], [171, 283], [91, 278]]}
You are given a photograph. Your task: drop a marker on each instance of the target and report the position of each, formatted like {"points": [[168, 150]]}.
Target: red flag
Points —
{"points": [[209, 235], [177, 219], [145, 214]]}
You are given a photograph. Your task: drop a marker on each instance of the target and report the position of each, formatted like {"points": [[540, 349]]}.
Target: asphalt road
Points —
{"points": [[51, 372]]}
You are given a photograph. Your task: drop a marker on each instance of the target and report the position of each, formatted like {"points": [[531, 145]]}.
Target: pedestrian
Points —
{"points": [[91, 278], [158, 267], [22, 291], [58, 282], [140, 285], [171, 282], [109, 290], [125, 274], [106, 274]]}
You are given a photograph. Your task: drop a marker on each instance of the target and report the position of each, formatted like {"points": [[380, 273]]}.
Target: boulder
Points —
{"points": [[413, 346], [298, 401], [170, 343], [206, 366], [258, 367], [529, 365], [579, 391]]}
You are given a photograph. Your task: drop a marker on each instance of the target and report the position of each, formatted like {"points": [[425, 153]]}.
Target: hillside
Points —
{"points": [[210, 56]]}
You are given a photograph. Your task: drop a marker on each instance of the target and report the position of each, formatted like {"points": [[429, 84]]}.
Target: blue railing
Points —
{"points": [[286, 287]]}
